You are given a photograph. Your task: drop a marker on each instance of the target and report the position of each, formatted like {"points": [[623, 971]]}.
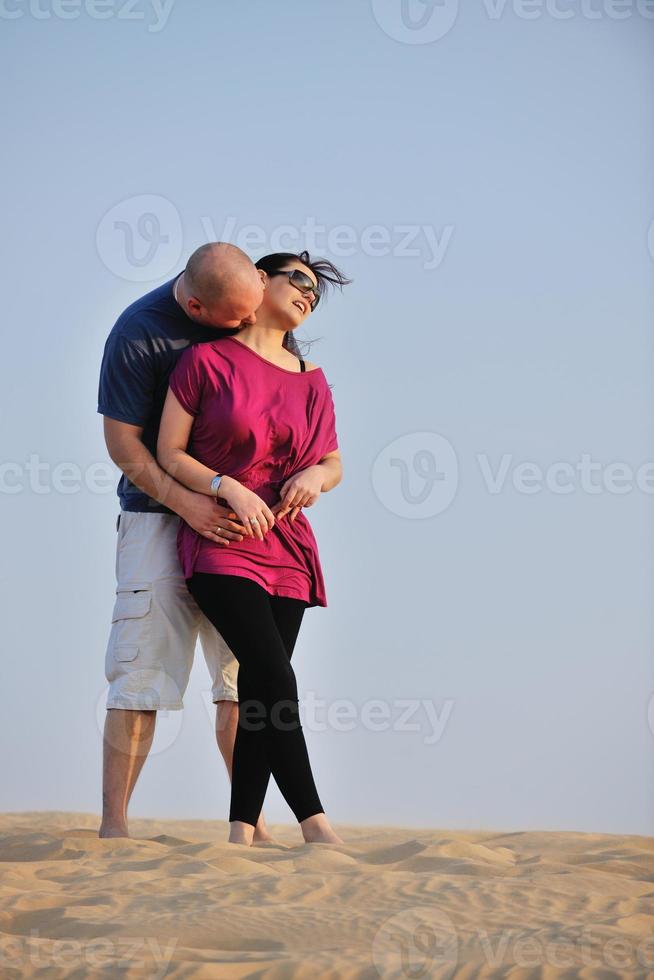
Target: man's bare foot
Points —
{"points": [[318, 830], [113, 830], [241, 833]]}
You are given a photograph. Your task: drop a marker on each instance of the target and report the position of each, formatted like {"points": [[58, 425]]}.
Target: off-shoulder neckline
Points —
{"points": [[271, 363]]}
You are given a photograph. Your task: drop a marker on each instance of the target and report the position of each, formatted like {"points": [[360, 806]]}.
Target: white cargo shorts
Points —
{"points": [[156, 623]]}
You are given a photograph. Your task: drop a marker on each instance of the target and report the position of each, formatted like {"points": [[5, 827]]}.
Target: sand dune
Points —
{"points": [[177, 901]]}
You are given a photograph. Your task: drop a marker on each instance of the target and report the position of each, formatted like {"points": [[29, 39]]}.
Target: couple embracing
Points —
{"points": [[223, 434]]}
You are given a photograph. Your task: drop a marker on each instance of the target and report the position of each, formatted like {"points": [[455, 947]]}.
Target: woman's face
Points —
{"points": [[285, 301]]}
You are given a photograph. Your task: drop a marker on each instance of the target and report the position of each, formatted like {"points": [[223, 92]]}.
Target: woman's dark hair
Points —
{"points": [[326, 273]]}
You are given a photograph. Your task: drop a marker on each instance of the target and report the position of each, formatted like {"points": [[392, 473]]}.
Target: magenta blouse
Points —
{"points": [[259, 423]]}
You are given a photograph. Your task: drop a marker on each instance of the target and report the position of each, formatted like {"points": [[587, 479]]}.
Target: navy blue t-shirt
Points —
{"points": [[140, 352]]}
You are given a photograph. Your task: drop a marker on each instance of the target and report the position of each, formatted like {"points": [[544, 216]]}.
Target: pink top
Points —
{"points": [[259, 423]]}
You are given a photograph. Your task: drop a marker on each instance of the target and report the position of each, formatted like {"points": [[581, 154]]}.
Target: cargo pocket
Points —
{"points": [[130, 619], [125, 652], [132, 601]]}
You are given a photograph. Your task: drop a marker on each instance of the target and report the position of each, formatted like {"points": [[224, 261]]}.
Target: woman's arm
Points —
{"points": [[305, 487], [331, 463], [174, 435]]}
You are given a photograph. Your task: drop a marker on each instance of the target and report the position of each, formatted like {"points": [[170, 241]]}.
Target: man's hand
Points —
{"points": [[300, 490], [205, 515], [199, 510]]}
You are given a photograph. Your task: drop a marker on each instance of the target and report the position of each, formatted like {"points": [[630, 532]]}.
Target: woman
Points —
{"points": [[248, 421]]}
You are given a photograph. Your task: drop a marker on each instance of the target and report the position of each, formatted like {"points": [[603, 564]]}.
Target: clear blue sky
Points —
{"points": [[485, 178]]}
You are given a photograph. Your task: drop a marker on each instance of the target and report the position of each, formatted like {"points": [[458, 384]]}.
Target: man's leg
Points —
{"points": [[226, 724], [149, 654], [127, 740]]}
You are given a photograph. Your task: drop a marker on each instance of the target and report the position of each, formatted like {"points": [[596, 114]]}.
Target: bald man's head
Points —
{"points": [[222, 287]]}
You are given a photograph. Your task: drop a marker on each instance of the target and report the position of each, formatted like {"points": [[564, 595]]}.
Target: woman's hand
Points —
{"points": [[300, 490], [247, 505], [211, 519]]}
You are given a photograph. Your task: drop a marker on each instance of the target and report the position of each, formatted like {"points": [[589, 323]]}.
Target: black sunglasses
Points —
{"points": [[302, 282]]}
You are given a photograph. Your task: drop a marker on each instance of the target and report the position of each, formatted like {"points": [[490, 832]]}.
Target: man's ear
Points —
{"points": [[194, 306]]}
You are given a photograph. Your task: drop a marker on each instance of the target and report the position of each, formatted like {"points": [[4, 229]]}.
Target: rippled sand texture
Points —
{"points": [[177, 901]]}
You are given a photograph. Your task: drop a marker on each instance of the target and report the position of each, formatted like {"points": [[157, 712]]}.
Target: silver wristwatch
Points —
{"points": [[215, 484]]}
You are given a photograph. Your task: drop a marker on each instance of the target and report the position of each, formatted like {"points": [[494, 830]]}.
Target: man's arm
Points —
{"points": [[201, 512]]}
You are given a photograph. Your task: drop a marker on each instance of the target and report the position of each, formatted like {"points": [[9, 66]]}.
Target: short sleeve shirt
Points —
{"points": [[261, 424], [139, 355]]}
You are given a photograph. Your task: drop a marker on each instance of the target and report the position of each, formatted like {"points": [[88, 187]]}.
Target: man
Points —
{"points": [[156, 622]]}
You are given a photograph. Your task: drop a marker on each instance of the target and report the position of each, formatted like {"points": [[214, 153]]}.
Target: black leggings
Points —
{"points": [[261, 630]]}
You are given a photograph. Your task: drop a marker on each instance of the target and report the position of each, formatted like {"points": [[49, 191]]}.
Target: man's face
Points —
{"points": [[238, 312]]}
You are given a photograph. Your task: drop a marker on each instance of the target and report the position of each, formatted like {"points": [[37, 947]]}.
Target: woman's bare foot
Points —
{"points": [[318, 830], [261, 834], [241, 833]]}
